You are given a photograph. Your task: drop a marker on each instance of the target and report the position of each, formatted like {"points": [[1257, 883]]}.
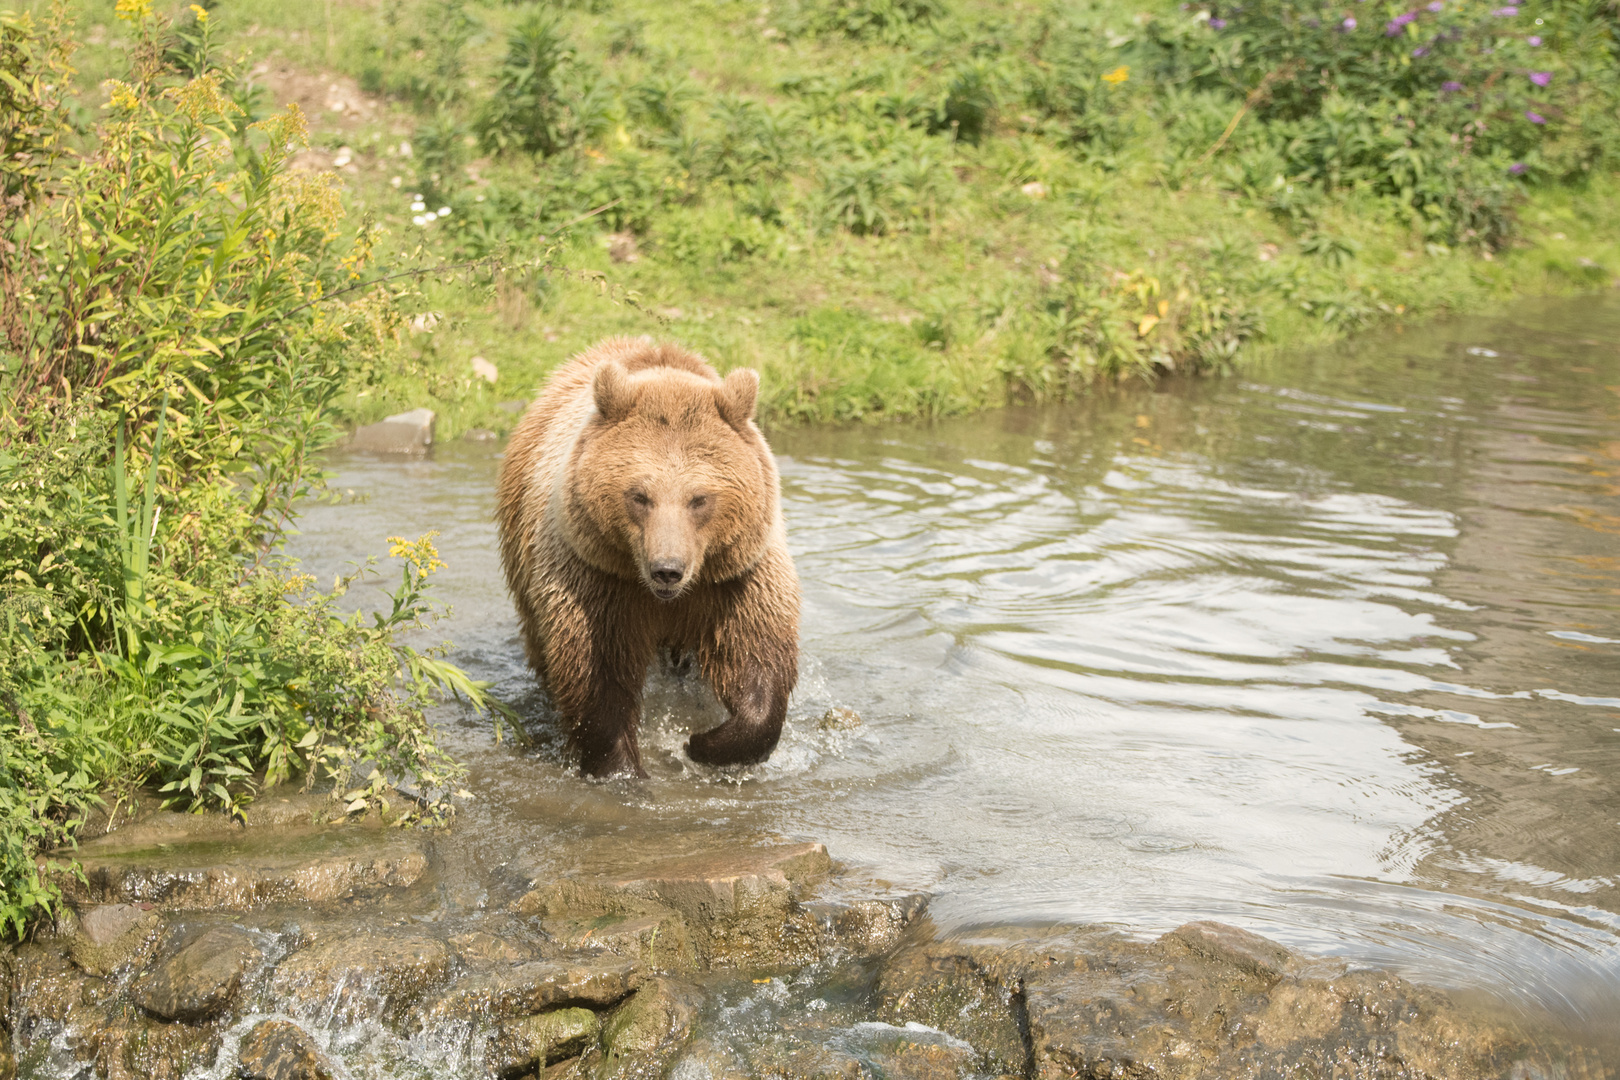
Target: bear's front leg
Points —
{"points": [[595, 665], [751, 658]]}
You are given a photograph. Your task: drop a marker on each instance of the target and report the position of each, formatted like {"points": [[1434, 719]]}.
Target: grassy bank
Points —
{"points": [[900, 207]]}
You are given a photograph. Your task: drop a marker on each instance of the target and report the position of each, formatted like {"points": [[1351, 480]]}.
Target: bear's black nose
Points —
{"points": [[667, 572]]}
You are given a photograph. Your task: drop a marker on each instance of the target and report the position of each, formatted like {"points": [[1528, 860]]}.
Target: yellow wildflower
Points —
{"points": [[202, 15], [133, 10], [420, 553], [1118, 75], [121, 95]]}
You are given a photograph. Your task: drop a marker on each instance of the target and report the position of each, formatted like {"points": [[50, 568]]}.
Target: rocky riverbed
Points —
{"points": [[298, 947]]}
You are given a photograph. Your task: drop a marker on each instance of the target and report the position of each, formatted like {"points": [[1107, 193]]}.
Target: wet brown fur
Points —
{"points": [[637, 458]]}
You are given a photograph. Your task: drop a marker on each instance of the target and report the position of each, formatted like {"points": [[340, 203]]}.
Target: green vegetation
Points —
{"points": [[899, 207], [167, 371]]}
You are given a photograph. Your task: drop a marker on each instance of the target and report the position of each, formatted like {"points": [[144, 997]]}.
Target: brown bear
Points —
{"points": [[639, 509]]}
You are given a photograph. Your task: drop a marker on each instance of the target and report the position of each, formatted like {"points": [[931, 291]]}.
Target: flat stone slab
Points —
{"points": [[403, 433], [255, 870]]}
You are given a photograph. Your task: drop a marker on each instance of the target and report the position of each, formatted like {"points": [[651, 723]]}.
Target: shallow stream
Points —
{"points": [[1329, 650]]}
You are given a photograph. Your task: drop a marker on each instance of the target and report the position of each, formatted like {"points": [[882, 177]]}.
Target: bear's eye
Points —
{"points": [[698, 502], [640, 499]]}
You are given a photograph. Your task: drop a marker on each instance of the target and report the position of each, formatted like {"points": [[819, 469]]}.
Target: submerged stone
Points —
{"points": [[109, 935], [281, 1050], [201, 978]]}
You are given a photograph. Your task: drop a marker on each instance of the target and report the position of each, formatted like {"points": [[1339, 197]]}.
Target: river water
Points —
{"points": [[1329, 650]]}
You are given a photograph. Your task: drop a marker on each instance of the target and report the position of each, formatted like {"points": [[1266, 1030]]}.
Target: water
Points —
{"points": [[1330, 651]]}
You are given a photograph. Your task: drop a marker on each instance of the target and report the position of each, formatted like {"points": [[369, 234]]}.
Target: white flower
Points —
{"points": [[444, 211], [418, 206], [395, 182], [418, 220]]}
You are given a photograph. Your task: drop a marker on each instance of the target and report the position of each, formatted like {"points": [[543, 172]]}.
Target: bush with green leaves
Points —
{"points": [[180, 312]]}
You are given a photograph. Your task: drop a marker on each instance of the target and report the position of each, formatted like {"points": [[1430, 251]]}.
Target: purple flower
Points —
{"points": [[1450, 87], [1398, 23], [1541, 78], [1535, 42], [1217, 24], [1349, 24], [1421, 50], [1534, 117], [1516, 168], [1506, 12], [1437, 7]]}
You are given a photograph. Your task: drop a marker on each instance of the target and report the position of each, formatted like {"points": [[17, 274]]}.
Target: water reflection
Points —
{"points": [[1328, 652]]}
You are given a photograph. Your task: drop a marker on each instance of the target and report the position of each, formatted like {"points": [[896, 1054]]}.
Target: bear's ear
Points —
{"points": [[736, 396], [615, 397]]}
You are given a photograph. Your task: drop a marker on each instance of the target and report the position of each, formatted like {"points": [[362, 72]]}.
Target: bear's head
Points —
{"points": [[671, 482]]}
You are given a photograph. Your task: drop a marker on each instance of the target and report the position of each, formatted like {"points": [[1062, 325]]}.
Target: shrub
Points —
{"points": [[526, 112], [180, 312]]}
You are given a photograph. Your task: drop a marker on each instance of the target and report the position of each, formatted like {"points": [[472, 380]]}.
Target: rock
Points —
{"points": [[288, 868], [640, 1036], [129, 1046], [1203, 1000], [479, 434], [281, 1050], [839, 719], [113, 934], [947, 988], [361, 974], [911, 1052], [658, 941], [518, 1045], [740, 907], [485, 370], [622, 247], [403, 433], [512, 406], [867, 927], [531, 988], [480, 948], [201, 978]]}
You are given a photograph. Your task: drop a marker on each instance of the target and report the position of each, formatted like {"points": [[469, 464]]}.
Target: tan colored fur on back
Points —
{"points": [[639, 508]]}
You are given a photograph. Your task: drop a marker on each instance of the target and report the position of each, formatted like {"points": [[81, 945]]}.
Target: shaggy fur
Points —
{"points": [[639, 509]]}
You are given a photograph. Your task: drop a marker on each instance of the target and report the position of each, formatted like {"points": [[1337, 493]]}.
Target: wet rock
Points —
{"points": [[129, 1046], [740, 907], [403, 433], [531, 988], [1204, 1000], [706, 1060], [911, 1052], [640, 1036], [942, 986], [112, 934], [281, 1050], [839, 719], [519, 1045], [298, 867], [479, 434], [201, 978], [47, 991], [361, 974], [658, 941], [867, 927], [480, 949]]}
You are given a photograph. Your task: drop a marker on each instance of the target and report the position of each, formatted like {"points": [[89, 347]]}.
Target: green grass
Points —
{"points": [[809, 203]]}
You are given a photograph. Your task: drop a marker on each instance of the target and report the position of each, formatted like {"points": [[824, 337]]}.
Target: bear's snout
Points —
{"points": [[667, 575]]}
